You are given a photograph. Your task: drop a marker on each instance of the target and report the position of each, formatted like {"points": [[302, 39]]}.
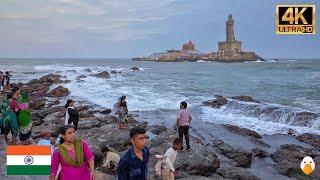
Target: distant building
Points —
{"points": [[188, 46]]}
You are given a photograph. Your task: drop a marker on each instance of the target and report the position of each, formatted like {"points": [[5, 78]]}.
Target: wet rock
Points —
{"points": [[51, 78], [106, 111], [66, 81], [38, 104], [260, 153], [59, 91], [108, 119], [311, 139], [288, 158], [242, 131], [245, 99], [103, 75], [304, 118], [241, 157], [80, 77], [72, 71], [259, 142], [157, 129], [88, 70], [217, 102], [115, 72], [134, 69], [236, 173]]}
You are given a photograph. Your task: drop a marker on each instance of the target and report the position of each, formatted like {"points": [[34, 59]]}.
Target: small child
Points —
{"points": [[168, 171], [183, 122], [46, 140], [112, 158]]}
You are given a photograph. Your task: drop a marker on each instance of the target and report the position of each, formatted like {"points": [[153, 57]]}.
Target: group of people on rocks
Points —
{"points": [[15, 116], [72, 157]]}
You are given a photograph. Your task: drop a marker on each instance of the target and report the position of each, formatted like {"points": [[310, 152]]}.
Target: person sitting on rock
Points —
{"points": [[112, 158], [168, 171], [183, 122], [72, 114]]}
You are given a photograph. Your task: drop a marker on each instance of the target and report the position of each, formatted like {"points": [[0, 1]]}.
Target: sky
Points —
{"points": [[134, 28]]}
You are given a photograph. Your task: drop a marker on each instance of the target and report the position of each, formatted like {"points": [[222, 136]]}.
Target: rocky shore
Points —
{"points": [[218, 157]]}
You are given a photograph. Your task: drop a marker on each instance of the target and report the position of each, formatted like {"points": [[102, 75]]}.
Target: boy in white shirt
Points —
{"points": [[168, 170]]}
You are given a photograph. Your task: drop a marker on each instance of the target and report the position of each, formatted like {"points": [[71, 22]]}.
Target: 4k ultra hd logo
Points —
{"points": [[296, 19]]}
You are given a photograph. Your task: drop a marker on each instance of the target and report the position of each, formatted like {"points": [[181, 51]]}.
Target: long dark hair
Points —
{"points": [[69, 101], [15, 89], [63, 130]]}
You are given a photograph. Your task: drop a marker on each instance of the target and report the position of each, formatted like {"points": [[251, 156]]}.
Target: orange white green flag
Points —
{"points": [[28, 160]]}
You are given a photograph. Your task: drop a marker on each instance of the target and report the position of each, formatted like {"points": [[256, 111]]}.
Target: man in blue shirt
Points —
{"points": [[134, 164]]}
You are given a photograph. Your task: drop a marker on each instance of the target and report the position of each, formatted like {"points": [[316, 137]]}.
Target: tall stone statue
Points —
{"points": [[229, 29]]}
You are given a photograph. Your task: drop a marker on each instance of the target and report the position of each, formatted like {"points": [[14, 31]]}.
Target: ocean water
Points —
{"points": [[154, 93]]}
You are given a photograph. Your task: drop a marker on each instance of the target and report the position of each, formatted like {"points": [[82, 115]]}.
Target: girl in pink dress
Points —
{"points": [[74, 156]]}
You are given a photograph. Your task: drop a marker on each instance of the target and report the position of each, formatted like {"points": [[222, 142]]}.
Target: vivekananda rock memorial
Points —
{"points": [[228, 51]]}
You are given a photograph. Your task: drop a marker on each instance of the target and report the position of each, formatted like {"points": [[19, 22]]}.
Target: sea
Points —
{"points": [[285, 88]]}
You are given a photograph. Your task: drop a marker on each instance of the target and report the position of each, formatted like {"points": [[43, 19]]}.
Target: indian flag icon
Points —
{"points": [[28, 160]]}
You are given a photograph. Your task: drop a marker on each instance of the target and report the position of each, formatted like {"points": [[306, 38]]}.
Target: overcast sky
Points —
{"points": [[129, 28]]}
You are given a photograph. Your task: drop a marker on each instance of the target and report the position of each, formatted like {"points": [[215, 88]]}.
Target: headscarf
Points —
{"points": [[24, 97], [78, 149]]}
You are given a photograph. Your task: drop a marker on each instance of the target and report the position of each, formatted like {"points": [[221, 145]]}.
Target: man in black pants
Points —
{"points": [[183, 122]]}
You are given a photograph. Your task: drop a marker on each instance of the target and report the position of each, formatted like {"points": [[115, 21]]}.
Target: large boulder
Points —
{"points": [[51, 78], [59, 91], [217, 102], [288, 158], [38, 104], [245, 99], [242, 131], [241, 157], [103, 75], [304, 118]]}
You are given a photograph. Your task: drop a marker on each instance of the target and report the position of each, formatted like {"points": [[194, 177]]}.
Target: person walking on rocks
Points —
{"points": [[7, 79], [183, 122], [168, 171], [134, 164], [122, 111], [24, 119], [74, 156], [72, 114]]}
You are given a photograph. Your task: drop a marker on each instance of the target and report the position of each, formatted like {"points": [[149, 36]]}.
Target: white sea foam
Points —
{"points": [[223, 116]]}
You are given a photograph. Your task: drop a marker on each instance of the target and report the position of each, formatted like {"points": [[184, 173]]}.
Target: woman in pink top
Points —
{"points": [[74, 156]]}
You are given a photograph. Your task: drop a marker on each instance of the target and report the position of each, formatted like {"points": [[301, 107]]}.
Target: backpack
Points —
{"points": [[160, 164]]}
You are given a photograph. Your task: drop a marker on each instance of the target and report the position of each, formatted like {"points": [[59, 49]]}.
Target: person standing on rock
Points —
{"points": [[72, 114], [169, 171], [134, 164], [1, 81], [74, 156], [183, 122], [24, 119], [14, 111], [122, 111], [7, 78], [5, 116]]}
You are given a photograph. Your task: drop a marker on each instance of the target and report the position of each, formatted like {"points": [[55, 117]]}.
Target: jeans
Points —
{"points": [[184, 130]]}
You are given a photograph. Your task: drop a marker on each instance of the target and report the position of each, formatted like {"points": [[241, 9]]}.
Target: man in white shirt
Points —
{"points": [[168, 170]]}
